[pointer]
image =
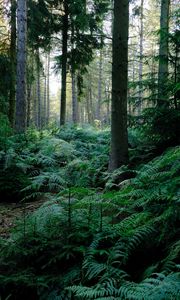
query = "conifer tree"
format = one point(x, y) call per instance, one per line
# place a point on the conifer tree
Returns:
point(119, 137)
point(163, 54)
point(20, 121)
point(65, 26)
point(12, 92)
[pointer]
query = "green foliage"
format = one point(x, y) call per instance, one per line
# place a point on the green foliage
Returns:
point(38, 163)
point(85, 244)
point(162, 126)
point(42, 23)
point(4, 82)
point(5, 132)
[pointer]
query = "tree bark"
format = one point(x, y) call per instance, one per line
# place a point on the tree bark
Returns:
point(47, 92)
point(12, 94)
point(38, 92)
point(74, 99)
point(64, 65)
point(163, 54)
point(29, 92)
point(140, 92)
point(119, 137)
point(90, 111)
point(35, 103)
point(20, 119)
point(98, 114)
point(45, 102)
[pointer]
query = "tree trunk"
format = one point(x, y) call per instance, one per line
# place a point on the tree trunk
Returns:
point(35, 103)
point(20, 120)
point(90, 111)
point(29, 92)
point(98, 114)
point(47, 92)
point(140, 92)
point(45, 102)
point(119, 137)
point(12, 94)
point(108, 101)
point(74, 99)
point(73, 78)
point(64, 65)
point(163, 54)
point(38, 93)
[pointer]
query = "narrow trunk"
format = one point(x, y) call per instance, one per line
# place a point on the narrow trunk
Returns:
point(45, 101)
point(74, 99)
point(88, 109)
point(163, 54)
point(12, 94)
point(29, 92)
point(90, 101)
point(141, 60)
point(30, 87)
point(73, 78)
point(47, 91)
point(119, 137)
point(38, 93)
point(20, 119)
point(98, 115)
point(107, 121)
point(35, 102)
point(176, 75)
point(64, 65)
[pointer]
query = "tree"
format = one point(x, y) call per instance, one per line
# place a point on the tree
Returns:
point(119, 137)
point(81, 21)
point(65, 26)
point(47, 92)
point(20, 120)
point(98, 112)
point(141, 58)
point(12, 92)
point(163, 54)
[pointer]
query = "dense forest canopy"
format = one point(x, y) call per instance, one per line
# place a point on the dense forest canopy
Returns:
point(89, 149)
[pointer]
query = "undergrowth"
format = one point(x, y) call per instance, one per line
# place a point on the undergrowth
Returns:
point(49, 161)
point(85, 243)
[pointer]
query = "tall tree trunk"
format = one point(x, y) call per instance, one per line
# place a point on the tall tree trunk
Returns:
point(35, 103)
point(119, 137)
point(45, 102)
point(108, 101)
point(163, 54)
point(30, 85)
point(98, 113)
point(29, 92)
point(20, 119)
point(73, 78)
point(74, 99)
point(176, 75)
point(47, 92)
point(90, 110)
point(140, 92)
point(64, 65)
point(12, 94)
point(38, 92)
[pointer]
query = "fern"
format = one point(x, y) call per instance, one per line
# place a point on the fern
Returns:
point(83, 243)
point(157, 287)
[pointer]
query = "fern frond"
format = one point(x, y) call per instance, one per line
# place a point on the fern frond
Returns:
point(154, 288)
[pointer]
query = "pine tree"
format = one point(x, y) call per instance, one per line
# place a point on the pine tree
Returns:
point(119, 138)
point(12, 92)
point(163, 54)
point(20, 121)
point(65, 26)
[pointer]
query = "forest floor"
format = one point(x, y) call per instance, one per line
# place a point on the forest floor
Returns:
point(11, 212)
